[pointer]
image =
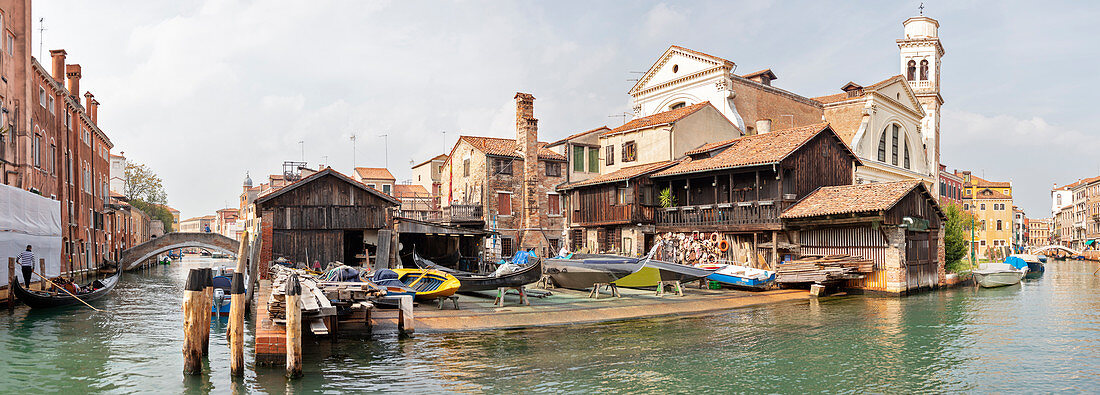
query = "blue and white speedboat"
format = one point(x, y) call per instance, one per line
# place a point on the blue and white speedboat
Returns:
point(742, 276)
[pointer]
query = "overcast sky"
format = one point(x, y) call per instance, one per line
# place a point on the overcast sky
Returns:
point(204, 91)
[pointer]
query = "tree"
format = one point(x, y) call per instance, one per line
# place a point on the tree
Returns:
point(143, 184)
point(956, 237)
point(155, 211)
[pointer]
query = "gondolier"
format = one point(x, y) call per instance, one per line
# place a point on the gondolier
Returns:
point(26, 261)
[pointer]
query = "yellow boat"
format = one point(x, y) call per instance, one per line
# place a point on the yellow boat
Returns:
point(428, 284)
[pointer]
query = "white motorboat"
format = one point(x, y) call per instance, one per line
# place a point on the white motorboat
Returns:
point(999, 275)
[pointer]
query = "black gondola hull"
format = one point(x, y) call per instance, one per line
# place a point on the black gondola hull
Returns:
point(39, 300)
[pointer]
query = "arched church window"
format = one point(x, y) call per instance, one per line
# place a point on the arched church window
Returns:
point(924, 70)
point(894, 151)
point(677, 105)
point(882, 147)
point(906, 147)
point(911, 71)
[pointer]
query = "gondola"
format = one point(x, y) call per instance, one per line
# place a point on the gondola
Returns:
point(39, 299)
point(470, 282)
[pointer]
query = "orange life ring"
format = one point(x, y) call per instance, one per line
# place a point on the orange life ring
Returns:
point(723, 245)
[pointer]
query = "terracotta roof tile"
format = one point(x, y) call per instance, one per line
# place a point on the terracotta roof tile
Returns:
point(410, 191)
point(374, 173)
point(760, 149)
point(508, 147)
point(657, 119)
point(990, 194)
point(844, 96)
point(846, 199)
point(625, 173)
point(600, 129)
point(979, 182)
point(761, 72)
point(710, 147)
point(437, 157)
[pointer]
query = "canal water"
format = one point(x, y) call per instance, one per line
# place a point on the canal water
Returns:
point(1040, 336)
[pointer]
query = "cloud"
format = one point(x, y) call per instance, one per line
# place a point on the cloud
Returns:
point(969, 129)
point(663, 21)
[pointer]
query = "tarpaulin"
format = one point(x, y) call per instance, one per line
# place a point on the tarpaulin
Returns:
point(29, 219)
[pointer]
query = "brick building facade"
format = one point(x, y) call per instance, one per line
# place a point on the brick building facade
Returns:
point(507, 186)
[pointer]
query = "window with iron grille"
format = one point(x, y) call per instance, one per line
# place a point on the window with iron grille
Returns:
point(630, 151)
point(506, 247)
point(502, 166)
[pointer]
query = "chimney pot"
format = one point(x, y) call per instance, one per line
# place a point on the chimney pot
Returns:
point(763, 126)
point(72, 72)
point(58, 57)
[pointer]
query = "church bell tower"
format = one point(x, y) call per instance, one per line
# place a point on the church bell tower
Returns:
point(920, 65)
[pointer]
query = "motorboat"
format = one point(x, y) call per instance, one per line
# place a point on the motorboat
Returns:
point(994, 274)
point(223, 285)
point(1035, 266)
point(468, 282)
point(741, 276)
point(426, 284)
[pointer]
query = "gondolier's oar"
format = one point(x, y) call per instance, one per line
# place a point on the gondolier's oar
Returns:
point(63, 289)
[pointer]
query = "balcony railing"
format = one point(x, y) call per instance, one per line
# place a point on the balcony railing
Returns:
point(632, 213)
point(740, 213)
point(463, 213)
point(421, 215)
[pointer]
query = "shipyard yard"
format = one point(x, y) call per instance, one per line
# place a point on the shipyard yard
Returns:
point(1038, 336)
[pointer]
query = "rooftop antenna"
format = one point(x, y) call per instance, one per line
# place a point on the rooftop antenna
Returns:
point(634, 72)
point(324, 162)
point(444, 140)
point(387, 137)
point(623, 116)
point(41, 35)
point(303, 144)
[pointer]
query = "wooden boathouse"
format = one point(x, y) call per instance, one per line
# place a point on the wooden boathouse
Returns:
point(898, 225)
point(327, 217)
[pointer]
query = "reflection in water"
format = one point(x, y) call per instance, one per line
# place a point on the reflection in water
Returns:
point(1038, 336)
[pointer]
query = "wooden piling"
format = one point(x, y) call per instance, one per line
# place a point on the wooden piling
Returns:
point(405, 314)
point(42, 272)
point(11, 284)
point(293, 327)
point(192, 322)
point(236, 312)
point(208, 304)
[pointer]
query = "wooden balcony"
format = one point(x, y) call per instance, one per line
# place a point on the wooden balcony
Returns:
point(618, 214)
point(740, 216)
point(421, 215)
point(463, 213)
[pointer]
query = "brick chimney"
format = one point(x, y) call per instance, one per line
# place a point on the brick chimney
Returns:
point(58, 56)
point(72, 72)
point(92, 106)
point(527, 136)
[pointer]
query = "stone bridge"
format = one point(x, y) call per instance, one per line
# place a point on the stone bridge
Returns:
point(133, 256)
point(1040, 250)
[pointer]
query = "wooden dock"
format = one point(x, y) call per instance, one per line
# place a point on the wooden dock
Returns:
point(564, 307)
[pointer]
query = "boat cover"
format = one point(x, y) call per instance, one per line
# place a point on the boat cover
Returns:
point(1016, 262)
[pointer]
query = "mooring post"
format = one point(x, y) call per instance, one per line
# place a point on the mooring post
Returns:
point(208, 303)
point(236, 312)
point(42, 272)
point(293, 328)
point(405, 315)
point(11, 283)
point(192, 322)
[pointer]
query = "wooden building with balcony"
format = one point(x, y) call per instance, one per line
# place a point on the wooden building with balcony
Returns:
point(613, 212)
point(739, 188)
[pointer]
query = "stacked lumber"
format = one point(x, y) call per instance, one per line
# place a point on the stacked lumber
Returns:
point(313, 302)
point(823, 269)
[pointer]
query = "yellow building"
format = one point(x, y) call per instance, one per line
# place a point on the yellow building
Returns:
point(991, 204)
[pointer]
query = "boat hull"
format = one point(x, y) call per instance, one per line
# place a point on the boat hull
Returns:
point(470, 282)
point(429, 284)
point(39, 300)
point(993, 279)
point(651, 272)
point(582, 273)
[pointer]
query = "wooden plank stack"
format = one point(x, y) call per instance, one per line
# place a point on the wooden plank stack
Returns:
point(823, 269)
point(313, 302)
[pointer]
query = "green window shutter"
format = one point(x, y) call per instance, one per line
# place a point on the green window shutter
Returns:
point(593, 160)
point(578, 158)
